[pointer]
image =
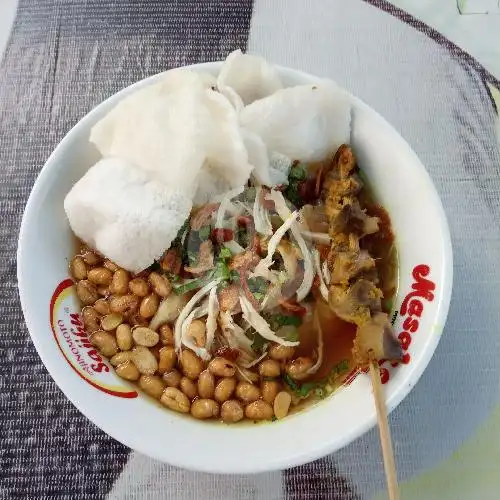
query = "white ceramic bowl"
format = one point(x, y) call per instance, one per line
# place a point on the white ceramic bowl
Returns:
point(401, 184)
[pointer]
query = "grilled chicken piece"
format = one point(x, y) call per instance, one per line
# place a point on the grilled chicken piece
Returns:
point(375, 339)
point(356, 302)
point(347, 261)
point(344, 162)
point(352, 219)
point(338, 191)
point(348, 265)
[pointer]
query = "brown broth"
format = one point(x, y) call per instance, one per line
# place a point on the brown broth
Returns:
point(338, 336)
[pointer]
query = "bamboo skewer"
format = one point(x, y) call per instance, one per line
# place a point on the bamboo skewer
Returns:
point(385, 433)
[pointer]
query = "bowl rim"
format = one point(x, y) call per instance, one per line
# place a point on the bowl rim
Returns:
point(301, 456)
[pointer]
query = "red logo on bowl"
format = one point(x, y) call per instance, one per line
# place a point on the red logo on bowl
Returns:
point(411, 309)
point(73, 342)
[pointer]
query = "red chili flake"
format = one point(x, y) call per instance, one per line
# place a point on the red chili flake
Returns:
point(323, 250)
point(228, 353)
point(319, 182)
point(316, 282)
point(244, 220)
point(290, 306)
point(220, 235)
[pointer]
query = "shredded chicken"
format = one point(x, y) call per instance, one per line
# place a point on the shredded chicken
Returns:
point(319, 360)
point(260, 214)
point(186, 311)
point(253, 318)
point(322, 285)
point(234, 336)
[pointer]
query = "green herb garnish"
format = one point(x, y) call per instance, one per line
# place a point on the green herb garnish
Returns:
point(204, 233)
point(277, 320)
point(221, 271)
point(225, 254)
point(306, 388)
point(192, 257)
point(297, 172)
point(290, 382)
point(291, 193)
point(173, 278)
point(317, 387)
point(293, 335)
point(297, 175)
point(259, 342)
point(258, 285)
point(341, 367)
point(191, 285)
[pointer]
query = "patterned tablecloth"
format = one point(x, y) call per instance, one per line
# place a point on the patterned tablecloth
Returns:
point(66, 56)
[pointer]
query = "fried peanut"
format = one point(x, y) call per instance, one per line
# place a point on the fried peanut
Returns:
point(124, 337)
point(259, 410)
point(206, 384)
point(232, 411)
point(191, 364)
point(105, 343)
point(78, 268)
point(144, 336)
point(247, 392)
point(86, 292)
point(204, 408)
point(175, 399)
point(152, 385)
point(221, 367)
point(100, 276)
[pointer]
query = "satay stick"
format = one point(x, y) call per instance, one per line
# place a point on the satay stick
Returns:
point(385, 433)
